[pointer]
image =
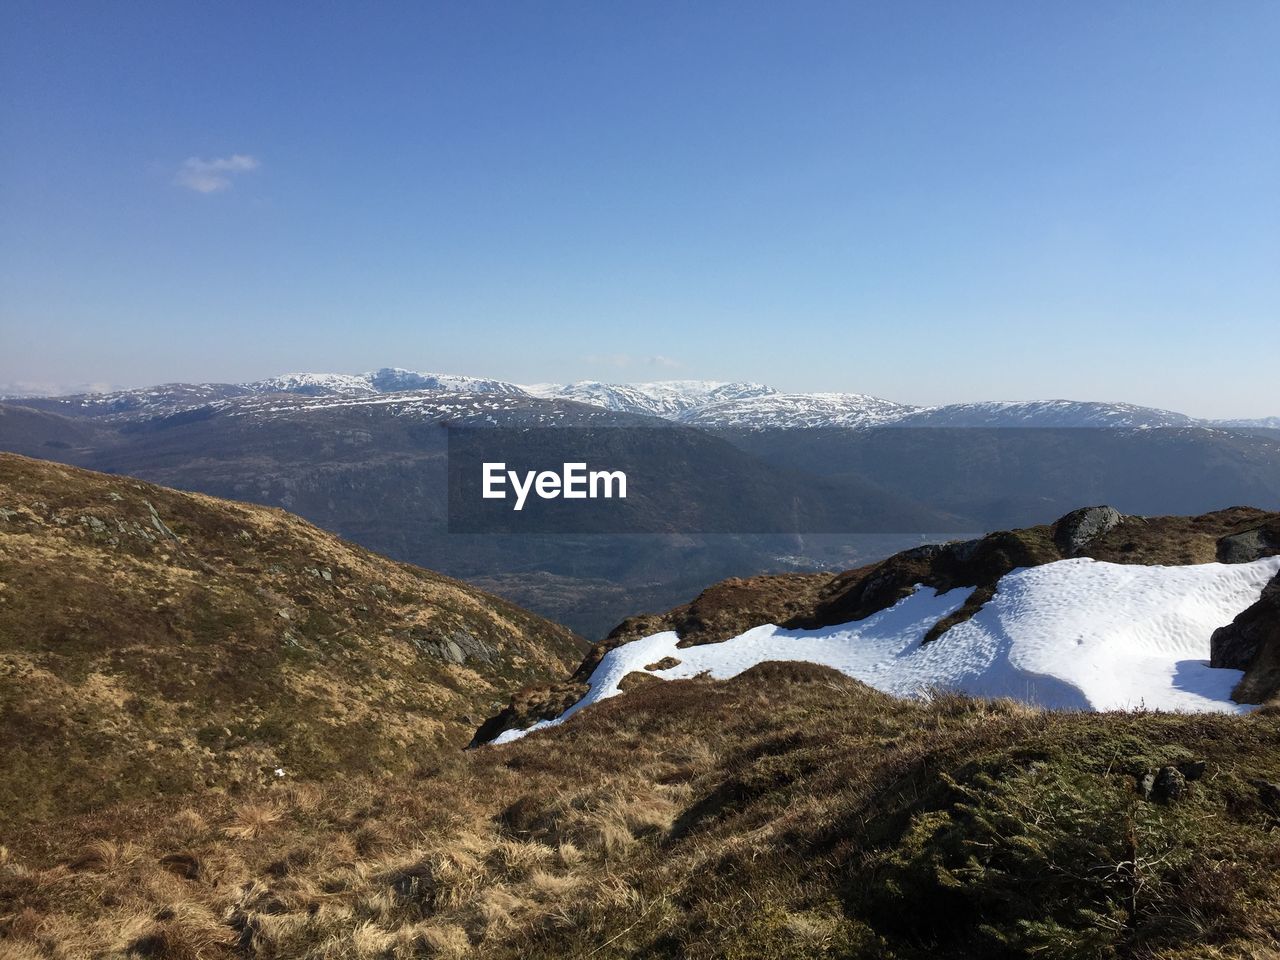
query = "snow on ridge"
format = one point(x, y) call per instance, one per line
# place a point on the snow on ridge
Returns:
point(1046, 413)
point(662, 398)
point(1257, 423)
point(1076, 634)
point(700, 403)
point(798, 410)
point(376, 382)
point(315, 384)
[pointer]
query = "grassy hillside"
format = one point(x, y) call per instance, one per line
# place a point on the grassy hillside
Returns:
point(156, 642)
point(790, 812)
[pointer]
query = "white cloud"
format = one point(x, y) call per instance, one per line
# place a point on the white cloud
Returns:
point(625, 360)
point(211, 176)
point(658, 360)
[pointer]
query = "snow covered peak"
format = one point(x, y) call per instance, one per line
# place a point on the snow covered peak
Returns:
point(386, 380)
point(709, 404)
point(397, 379)
point(316, 385)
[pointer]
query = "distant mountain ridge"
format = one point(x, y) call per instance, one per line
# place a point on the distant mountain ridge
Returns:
point(710, 404)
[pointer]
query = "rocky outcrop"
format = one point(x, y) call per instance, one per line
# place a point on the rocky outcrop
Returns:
point(1251, 643)
point(1249, 546)
point(1081, 527)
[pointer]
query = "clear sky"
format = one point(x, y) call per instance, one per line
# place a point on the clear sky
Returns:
point(926, 201)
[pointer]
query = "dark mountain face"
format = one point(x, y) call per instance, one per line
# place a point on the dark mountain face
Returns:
point(374, 470)
point(1004, 477)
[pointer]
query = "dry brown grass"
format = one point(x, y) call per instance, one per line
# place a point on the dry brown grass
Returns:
point(806, 817)
point(254, 642)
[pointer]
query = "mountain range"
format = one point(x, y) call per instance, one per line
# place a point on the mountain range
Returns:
point(709, 404)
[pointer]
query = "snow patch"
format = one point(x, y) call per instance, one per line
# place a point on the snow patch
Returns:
point(1076, 634)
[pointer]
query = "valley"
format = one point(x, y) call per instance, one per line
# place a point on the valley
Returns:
point(365, 456)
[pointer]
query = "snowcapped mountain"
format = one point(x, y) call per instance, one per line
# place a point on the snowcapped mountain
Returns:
point(709, 404)
point(171, 398)
point(395, 379)
point(316, 385)
point(1045, 413)
point(672, 399)
point(386, 380)
point(753, 406)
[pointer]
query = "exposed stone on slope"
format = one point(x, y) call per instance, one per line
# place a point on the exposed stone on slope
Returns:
point(1081, 527)
point(1251, 643)
point(1248, 546)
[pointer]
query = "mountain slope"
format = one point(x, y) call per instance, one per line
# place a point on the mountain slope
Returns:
point(158, 642)
point(1046, 413)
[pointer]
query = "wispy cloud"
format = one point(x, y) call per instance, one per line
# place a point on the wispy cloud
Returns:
point(52, 388)
point(214, 175)
point(624, 360)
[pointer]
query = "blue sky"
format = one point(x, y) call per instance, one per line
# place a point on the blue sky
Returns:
point(926, 201)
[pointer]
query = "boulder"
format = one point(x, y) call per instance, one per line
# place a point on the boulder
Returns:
point(1246, 547)
point(1251, 642)
point(1079, 528)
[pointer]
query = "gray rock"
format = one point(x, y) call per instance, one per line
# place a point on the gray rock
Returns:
point(159, 524)
point(94, 524)
point(457, 647)
point(1146, 783)
point(1081, 527)
point(1246, 547)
